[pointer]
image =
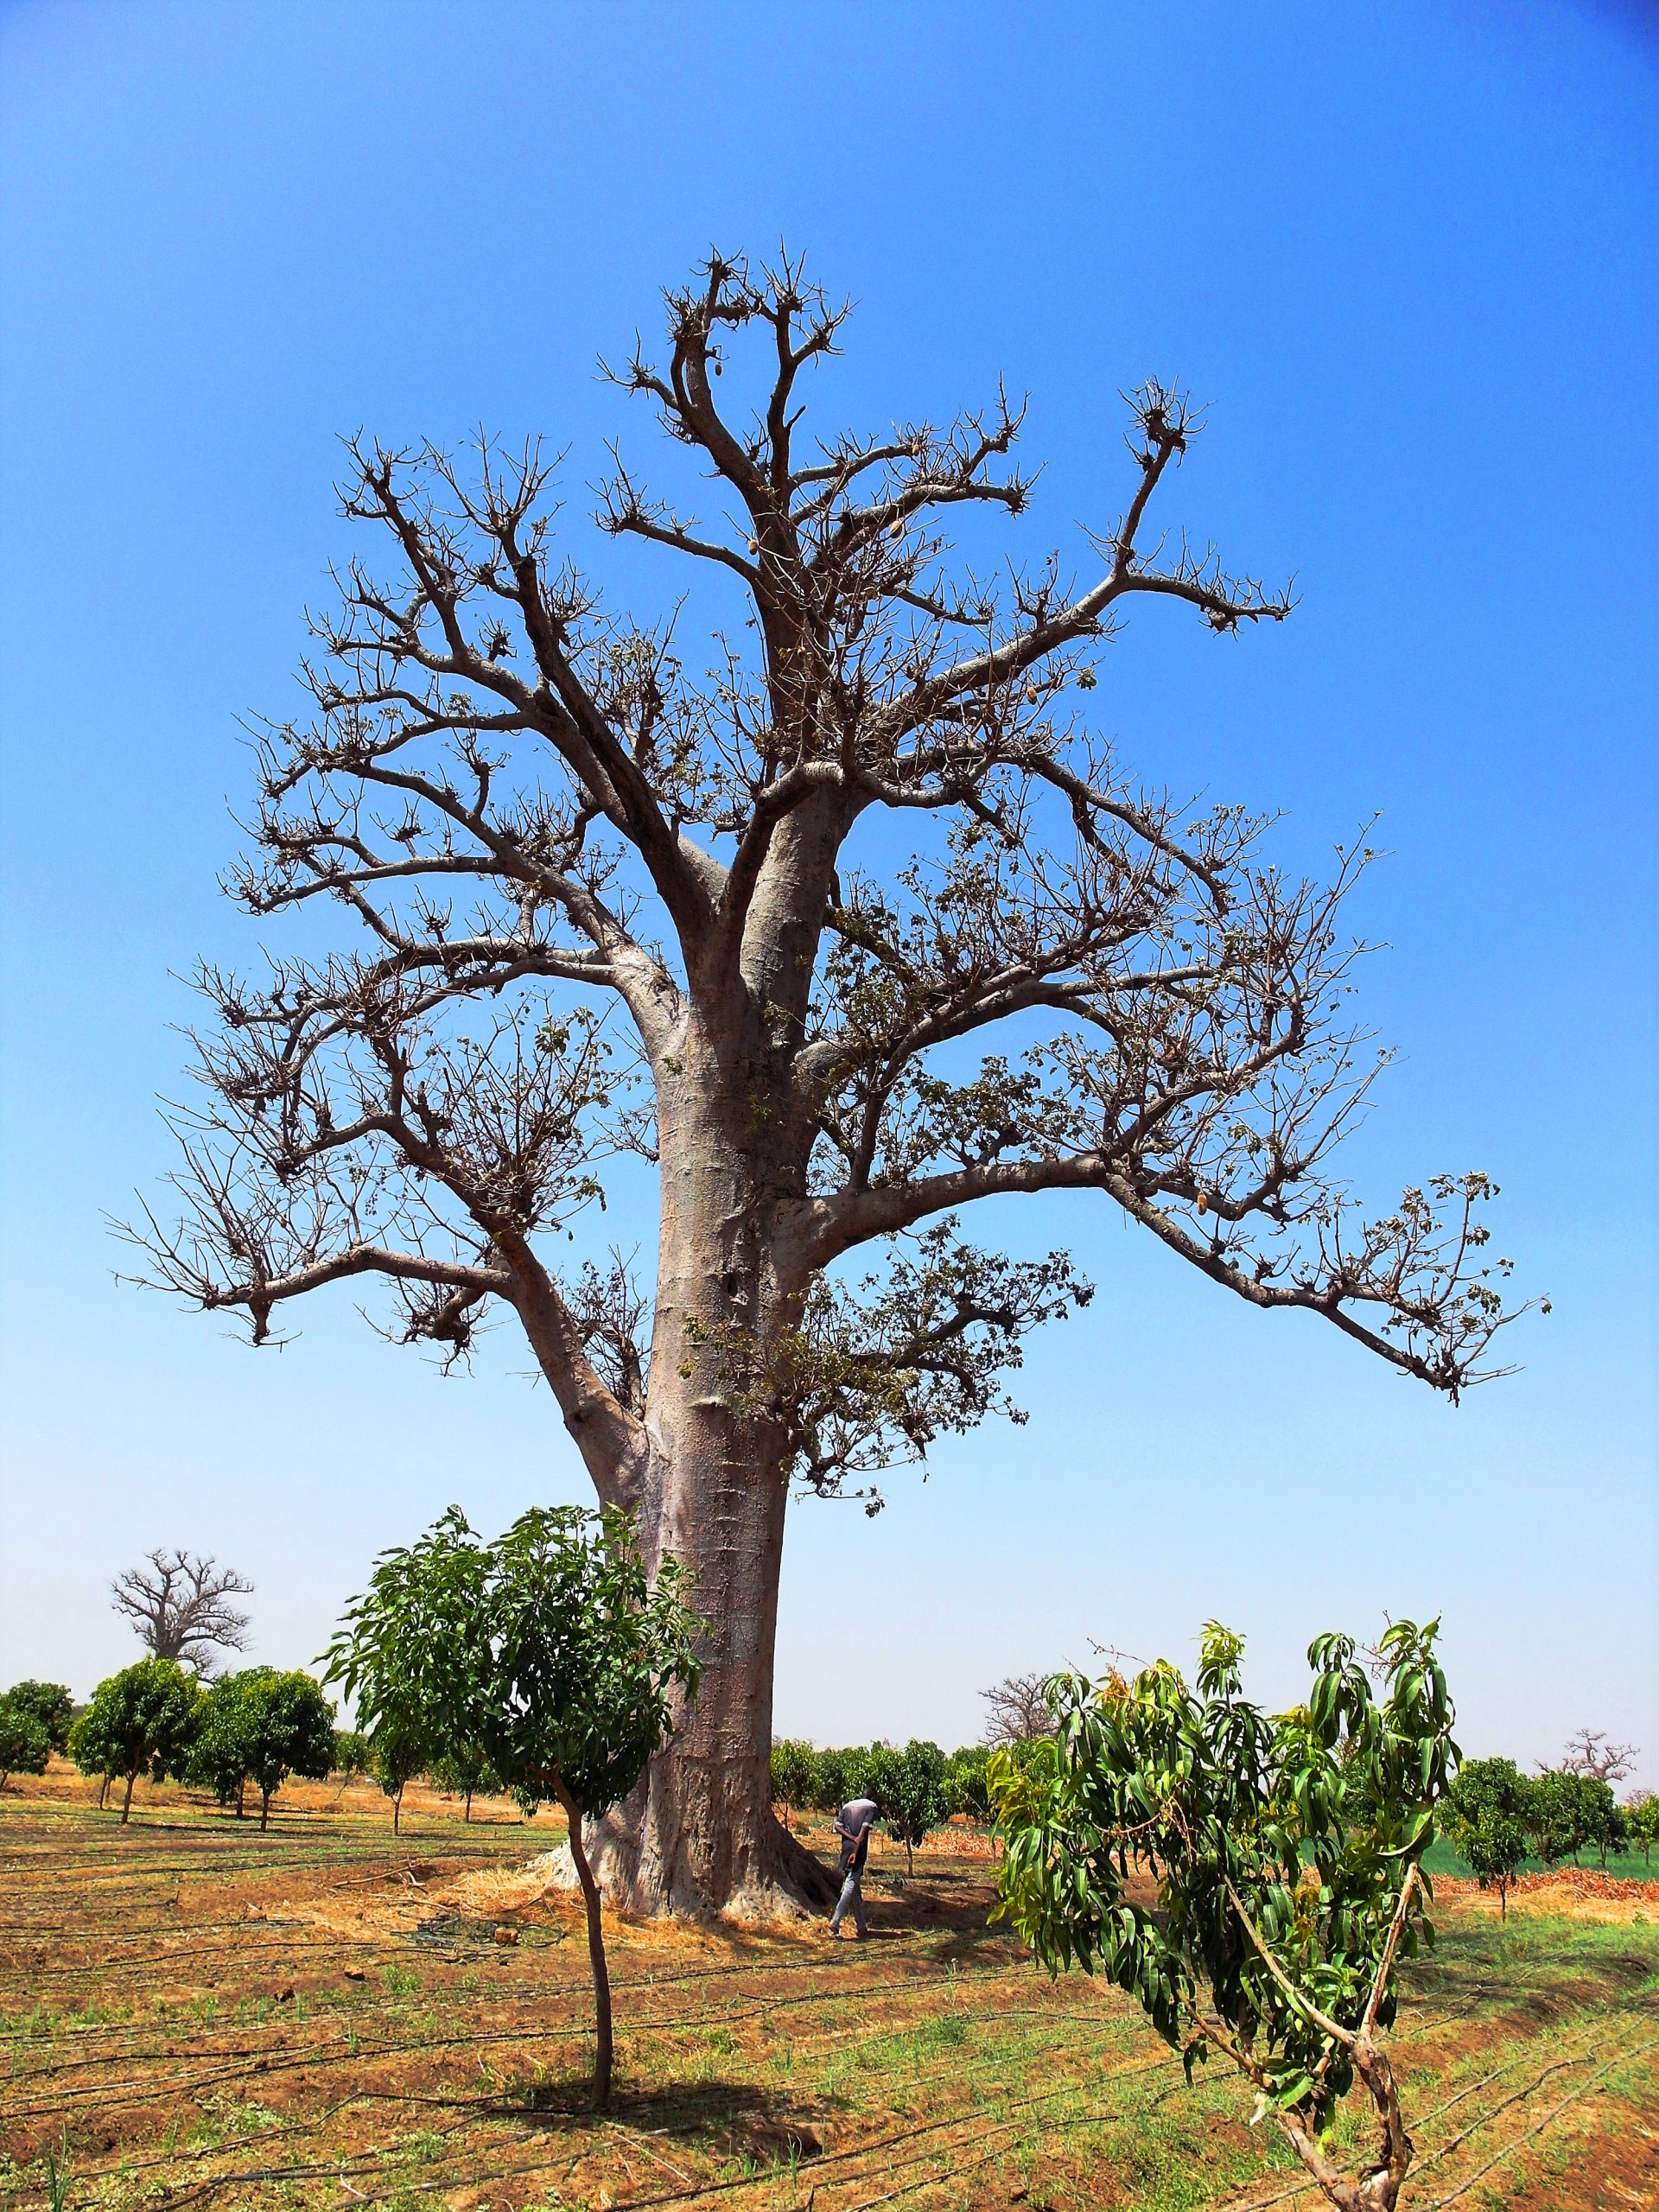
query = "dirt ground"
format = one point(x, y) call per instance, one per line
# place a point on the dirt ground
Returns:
point(193, 2014)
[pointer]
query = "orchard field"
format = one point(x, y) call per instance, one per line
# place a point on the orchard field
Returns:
point(195, 2014)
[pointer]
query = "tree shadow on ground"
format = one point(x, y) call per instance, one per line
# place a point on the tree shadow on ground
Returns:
point(728, 2119)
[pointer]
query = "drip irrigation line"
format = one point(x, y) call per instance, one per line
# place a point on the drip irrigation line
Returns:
point(1301, 2187)
point(1620, 2058)
point(277, 2058)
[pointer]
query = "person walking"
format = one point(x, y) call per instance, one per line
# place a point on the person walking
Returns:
point(853, 1825)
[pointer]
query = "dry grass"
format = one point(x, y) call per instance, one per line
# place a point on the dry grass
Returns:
point(193, 2014)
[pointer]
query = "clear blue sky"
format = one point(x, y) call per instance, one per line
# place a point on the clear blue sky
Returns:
point(1406, 255)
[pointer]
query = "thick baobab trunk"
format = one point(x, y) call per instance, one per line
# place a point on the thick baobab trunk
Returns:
point(699, 1835)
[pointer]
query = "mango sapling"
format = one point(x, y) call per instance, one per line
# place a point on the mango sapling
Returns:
point(551, 1651)
point(1288, 1855)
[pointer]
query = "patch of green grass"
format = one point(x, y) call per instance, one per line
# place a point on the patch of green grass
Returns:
point(1628, 1865)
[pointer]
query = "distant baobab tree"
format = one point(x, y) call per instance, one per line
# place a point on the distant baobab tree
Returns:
point(1017, 1709)
point(180, 1606)
point(1589, 1752)
point(607, 892)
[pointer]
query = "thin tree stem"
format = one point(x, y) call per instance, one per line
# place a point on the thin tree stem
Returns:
point(590, 1898)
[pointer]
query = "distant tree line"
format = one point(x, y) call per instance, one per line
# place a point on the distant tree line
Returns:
point(248, 1731)
point(1496, 1818)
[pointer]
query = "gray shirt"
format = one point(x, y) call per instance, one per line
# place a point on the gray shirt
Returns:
point(853, 1824)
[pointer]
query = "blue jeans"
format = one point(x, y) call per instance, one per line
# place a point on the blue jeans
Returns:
point(852, 1893)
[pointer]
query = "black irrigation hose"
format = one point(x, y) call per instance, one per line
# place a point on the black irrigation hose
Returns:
point(245, 1855)
point(538, 1991)
point(489, 2108)
point(172, 2202)
point(127, 2098)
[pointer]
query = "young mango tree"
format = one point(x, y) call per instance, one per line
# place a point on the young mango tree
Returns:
point(51, 1704)
point(603, 891)
point(1286, 1853)
point(1486, 1819)
point(794, 1775)
point(143, 1720)
point(25, 1745)
point(550, 1649)
point(260, 1726)
point(1566, 1809)
point(463, 1770)
point(286, 1727)
point(909, 1787)
point(217, 1760)
point(400, 1749)
point(353, 1756)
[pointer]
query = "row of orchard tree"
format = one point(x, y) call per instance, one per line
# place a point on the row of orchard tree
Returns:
point(919, 1787)
point(248, 1731)
point(241, 1732)
point(1496, 1818)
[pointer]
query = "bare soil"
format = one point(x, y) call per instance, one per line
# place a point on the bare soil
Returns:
point(193, 2013)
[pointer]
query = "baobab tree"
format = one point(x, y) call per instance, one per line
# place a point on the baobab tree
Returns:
point(180, 1606)
point(603, 901)
point(1017, 1710)
point(1589, 1752)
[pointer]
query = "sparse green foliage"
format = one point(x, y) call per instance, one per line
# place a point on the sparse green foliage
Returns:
point(875, 1375)
point(548, 1650)
point(1286, 1855)
point(1485, 1817)
point(143, 1720)
point(1641, 1823)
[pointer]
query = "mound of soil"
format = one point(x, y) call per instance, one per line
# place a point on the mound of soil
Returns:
point(1583, 1891)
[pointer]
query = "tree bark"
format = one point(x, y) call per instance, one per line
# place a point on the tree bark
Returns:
point(698, 1836)
point(590, 1899)
point(126, 1802)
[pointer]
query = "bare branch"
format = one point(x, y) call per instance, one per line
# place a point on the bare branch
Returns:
point(181, 1605)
